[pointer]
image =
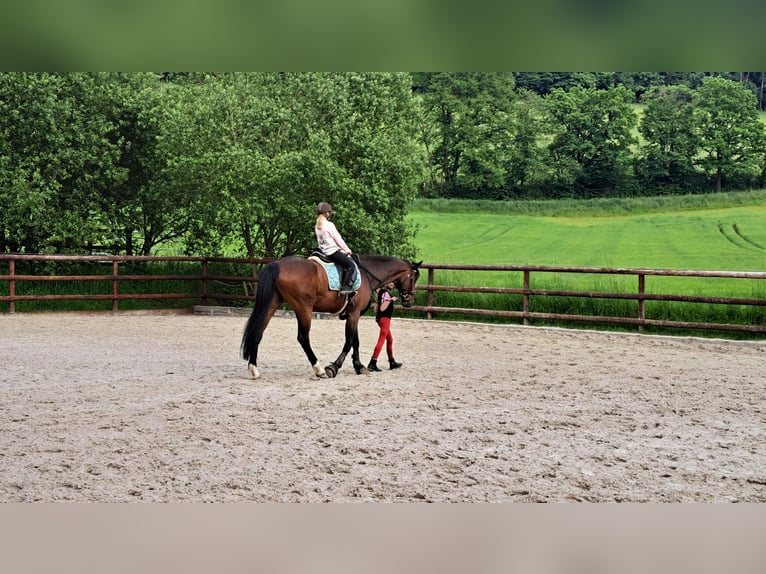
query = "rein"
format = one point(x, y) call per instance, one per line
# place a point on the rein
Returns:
point(370, 274)
point(380, 282)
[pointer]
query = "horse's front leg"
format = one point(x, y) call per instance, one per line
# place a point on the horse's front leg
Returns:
point(332, 369)
point(358, 365)
point(352, 341)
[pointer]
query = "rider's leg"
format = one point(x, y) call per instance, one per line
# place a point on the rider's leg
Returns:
point(347, 270)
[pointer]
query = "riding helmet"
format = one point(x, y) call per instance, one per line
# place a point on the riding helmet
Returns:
point(324, 208)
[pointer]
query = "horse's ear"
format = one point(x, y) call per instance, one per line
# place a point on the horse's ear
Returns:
point(418, 264)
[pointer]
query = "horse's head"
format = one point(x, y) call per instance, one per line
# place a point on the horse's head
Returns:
point(406, 283)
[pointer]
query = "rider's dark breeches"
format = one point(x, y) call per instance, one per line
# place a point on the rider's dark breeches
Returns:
point(345, 262)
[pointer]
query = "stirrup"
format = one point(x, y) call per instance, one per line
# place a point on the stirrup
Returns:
point(349, 305)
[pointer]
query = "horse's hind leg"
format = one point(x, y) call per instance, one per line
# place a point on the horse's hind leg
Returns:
point(304, 327)
point(252, 364)
point(255, 334)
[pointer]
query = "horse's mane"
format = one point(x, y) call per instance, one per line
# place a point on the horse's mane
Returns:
point(380, 258)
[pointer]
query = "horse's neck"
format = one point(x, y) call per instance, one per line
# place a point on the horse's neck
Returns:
point(384, 273)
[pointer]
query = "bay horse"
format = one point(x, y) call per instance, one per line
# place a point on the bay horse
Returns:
point(303, 285)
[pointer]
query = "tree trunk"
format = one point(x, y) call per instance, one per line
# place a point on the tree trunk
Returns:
point(718, 178)
point(128, 241)
point(246, 235)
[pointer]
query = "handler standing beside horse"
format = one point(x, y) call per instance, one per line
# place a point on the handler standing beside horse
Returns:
point(384, 311)
point(331, 244)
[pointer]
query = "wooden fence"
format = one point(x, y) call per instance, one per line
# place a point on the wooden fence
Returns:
point(209, 290)
point(640, 295)
point(205, 279)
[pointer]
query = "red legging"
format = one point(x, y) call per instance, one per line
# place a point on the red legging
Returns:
point(384, 336)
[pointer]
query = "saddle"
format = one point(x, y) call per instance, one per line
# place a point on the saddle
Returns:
point(334, 278)
point(333, 273)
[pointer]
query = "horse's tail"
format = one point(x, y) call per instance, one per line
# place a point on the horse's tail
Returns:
point(251, 338)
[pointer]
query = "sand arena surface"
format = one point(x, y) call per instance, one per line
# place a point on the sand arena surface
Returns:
point(128, 408)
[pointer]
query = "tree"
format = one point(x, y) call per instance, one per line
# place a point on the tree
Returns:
point(592, 137)
point(466, 130)
point(145, 209)
point(732, 138)
point(637, 82)
point(666, 157)
point(543, 83)
point(265, 148)
point(525, 157)
point(58, 157)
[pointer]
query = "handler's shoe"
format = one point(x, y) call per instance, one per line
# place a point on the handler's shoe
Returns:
point(393, 364)
point(373, 365)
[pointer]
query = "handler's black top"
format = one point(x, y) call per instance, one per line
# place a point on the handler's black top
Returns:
point(389, 310)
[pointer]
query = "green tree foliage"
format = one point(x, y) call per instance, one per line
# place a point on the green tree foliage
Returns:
point(146, 208)
point(235, 163)
point(731, 135)
point(526, 159)
point(469, 123)
point(543, 83)
point(127, 162)
point(80, 167)
point(592, 137)
point(59, 152)
point(670, 138)
point(265, 148)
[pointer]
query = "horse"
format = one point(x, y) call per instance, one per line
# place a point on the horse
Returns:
point(303, 285)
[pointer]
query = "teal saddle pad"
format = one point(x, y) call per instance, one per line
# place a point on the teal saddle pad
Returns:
point(333, 275)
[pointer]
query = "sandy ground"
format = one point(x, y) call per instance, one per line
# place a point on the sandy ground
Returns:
point(129, 408)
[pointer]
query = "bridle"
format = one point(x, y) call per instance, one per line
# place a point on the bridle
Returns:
point(412, 276)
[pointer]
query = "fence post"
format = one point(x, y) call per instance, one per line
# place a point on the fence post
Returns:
point(12, 286)
point(204, 282)
point(115, 284)
point(430, 298)
point(526, 296)
point(641, 301)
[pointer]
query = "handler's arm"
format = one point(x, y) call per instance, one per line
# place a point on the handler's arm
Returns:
point(387, 300)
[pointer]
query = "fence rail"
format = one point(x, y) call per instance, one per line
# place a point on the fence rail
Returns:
point(208, 281)
point(203, 277)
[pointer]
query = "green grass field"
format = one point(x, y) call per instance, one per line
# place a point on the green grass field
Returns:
point(705, 232)
point(712, 239)
point(721, 232)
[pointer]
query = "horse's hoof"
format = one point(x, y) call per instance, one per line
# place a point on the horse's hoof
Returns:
point(253, 370)
point(331, 371)
point(318, 372)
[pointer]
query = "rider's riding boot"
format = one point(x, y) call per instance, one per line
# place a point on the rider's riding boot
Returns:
point(393, 364)
point(373, 365)
point(345, 286)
